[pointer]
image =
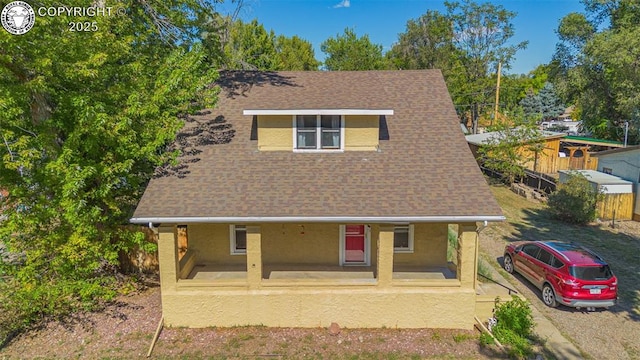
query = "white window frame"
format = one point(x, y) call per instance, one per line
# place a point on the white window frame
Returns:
point(318, 136)
point(407, 250)
point(232, 239)
point(367, 246)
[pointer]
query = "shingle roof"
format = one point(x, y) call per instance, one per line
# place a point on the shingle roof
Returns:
point(423, 169)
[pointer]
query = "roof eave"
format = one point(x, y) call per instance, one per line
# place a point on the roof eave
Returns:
point(318, 219)
point(317, 112)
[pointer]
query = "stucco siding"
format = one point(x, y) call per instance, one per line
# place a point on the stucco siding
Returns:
point(212, 245)
point(429, 247)
point(300, 243)
point(361, 132)
point(275, 133)
point(403, 308)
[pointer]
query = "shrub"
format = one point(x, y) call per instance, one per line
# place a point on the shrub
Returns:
point(514, 326)
point(575, 201)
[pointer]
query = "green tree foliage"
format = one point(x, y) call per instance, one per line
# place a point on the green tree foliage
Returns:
point(466, 42)
point(349, 52)
point(575, 201)
point(512, 147)
point(295, 53)
point(545, 104)
point(250, 46)
point(427, 43)
point(596, 66)
point(84, 119)
point(481, 34)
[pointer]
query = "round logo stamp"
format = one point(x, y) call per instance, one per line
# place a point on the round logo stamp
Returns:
point(17, 17)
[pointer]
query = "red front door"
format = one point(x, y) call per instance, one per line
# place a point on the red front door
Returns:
point(354, 244)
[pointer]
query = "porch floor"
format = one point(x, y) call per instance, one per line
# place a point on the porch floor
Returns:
point(295, 271)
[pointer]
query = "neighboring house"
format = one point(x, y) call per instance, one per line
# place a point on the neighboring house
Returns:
point(560, 151)
point(617, 202)
point(318, 197)
point(545, 161)
point(624, 163)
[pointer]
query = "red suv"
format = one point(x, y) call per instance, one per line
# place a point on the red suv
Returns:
point(566, 273)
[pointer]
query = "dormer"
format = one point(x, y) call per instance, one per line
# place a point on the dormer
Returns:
point(318, 130)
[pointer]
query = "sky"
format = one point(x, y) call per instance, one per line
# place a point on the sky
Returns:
point(382, 20)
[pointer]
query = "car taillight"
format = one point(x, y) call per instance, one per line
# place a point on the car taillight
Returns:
point(570, 282)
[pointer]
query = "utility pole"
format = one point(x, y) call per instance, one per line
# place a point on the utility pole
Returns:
point(495, 115)
point(626, 132)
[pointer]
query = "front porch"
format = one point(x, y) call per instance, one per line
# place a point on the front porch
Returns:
point(285, 278)
point(211, 271)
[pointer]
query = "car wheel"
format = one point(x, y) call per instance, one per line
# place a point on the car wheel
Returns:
point(548, 296)
point(508, 264)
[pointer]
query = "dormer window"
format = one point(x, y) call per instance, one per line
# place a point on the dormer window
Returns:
point(318, 132)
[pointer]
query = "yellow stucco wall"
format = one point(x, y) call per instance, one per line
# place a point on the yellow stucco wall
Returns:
point(300, 243)
point(211, 244)
point(429, 246)
point(275, 133)
point(301, 307)
point(256, 301)
point(361, 132)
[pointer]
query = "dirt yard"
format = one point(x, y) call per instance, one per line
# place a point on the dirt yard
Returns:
point(125, 331)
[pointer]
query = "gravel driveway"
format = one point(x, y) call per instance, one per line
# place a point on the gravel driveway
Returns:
point(603, 334)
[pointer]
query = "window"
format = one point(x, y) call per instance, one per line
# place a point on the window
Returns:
point(531, 250)
point(403, 238)
point(545, 256)
point(238, 239)
point(318, 132)
point(607, 170)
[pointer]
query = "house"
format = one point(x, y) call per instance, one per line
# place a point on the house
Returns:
point(618, 193)
point(624, 163)
point(545, 161)
point(316, 197)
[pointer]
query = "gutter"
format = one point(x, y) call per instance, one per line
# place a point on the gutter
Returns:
point(320, 219)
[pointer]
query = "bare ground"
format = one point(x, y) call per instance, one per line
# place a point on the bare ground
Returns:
point(125, 330)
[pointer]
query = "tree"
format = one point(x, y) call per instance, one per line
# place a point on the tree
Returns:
point(85, 117)
point(349, 52)
point(575, 201)
point(295, 53)
point(427, 43)
point(250, 46)
point(512, 147)
point(481, 34)
point(545, 104)
point(595, 66)
point(531, 105)
point(466, 43)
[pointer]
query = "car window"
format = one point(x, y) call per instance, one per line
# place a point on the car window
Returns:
point(531, 250)
point(592, 273)
point(556, 263)
point(545, 256)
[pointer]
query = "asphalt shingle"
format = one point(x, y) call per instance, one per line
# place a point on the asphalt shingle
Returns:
point(423, 169)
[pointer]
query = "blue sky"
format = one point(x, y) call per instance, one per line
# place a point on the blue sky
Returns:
point(317, 20)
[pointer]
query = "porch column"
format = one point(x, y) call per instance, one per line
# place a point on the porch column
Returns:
point(467, 254)
point(385, 256)
point(254, 257)
point(168, 256)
